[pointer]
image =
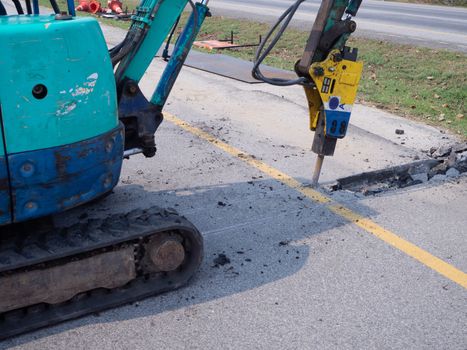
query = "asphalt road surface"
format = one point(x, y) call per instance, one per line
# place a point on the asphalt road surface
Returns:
point(426, 25)
point(303, 273)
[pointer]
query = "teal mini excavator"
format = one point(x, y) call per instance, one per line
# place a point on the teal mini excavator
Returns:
point(71, 111)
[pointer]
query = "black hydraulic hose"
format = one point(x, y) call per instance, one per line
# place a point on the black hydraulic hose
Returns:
point(118, 52)
point(116, 48)
point(195, 19)
point(138, 40)
point(28, 7)
point(55, 6)
point(2, 10)
point(126, 46)
point(195, 23)
point(133, 37)
point(135, 42)
point(261, 55)
point(18, 6)
point(165, 53)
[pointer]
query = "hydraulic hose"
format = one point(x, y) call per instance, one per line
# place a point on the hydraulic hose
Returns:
point(18, 6)
point(133, 39)
point(262, 52)
point(122, 49)
point(28, 6)
point(55, 7)
point(2, 10)
point(165, 53)
point(195, 19)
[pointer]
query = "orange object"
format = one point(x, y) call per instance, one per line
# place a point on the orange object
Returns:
point(95, 6)
point(83, 6)
point(115, 6)
point(214, 44)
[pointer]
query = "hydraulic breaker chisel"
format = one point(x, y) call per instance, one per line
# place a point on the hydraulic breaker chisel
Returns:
point(328, 71)
point(335, 72)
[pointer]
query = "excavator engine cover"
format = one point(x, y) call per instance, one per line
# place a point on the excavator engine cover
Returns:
point(61, 143)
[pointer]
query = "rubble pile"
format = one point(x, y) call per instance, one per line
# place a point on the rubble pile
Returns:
point(454, 161)
point(445, 162)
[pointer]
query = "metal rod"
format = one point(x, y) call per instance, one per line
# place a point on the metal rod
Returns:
point(35, 6)
point(317, 172)
point(71, 7)
point(132, 152)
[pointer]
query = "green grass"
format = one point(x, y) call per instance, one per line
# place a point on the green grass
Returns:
point(418, 83)
point(460, 3)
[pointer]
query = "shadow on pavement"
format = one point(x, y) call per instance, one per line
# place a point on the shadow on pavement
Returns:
point(264, 228)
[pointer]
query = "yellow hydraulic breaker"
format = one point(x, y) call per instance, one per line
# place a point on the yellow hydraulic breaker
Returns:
point(328, 70)
point(336, 80)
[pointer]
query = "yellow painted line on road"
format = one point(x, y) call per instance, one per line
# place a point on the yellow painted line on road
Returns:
point(366, 224)
point(408, 248)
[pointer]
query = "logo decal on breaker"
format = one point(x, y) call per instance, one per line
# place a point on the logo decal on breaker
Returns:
point(334, 102)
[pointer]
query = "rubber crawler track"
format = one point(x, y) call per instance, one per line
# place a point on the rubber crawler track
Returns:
point(57, 246)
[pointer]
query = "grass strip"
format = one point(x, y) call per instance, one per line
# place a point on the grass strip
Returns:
point(420, 83)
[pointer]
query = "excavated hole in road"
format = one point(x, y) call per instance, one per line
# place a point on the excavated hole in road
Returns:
point(446, 162)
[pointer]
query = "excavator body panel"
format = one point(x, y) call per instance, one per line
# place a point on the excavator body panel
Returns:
point(62, 140)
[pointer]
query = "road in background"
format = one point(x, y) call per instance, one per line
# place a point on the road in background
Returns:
point(424, 25)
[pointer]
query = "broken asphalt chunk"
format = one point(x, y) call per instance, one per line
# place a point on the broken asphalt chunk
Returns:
point(221, 260)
